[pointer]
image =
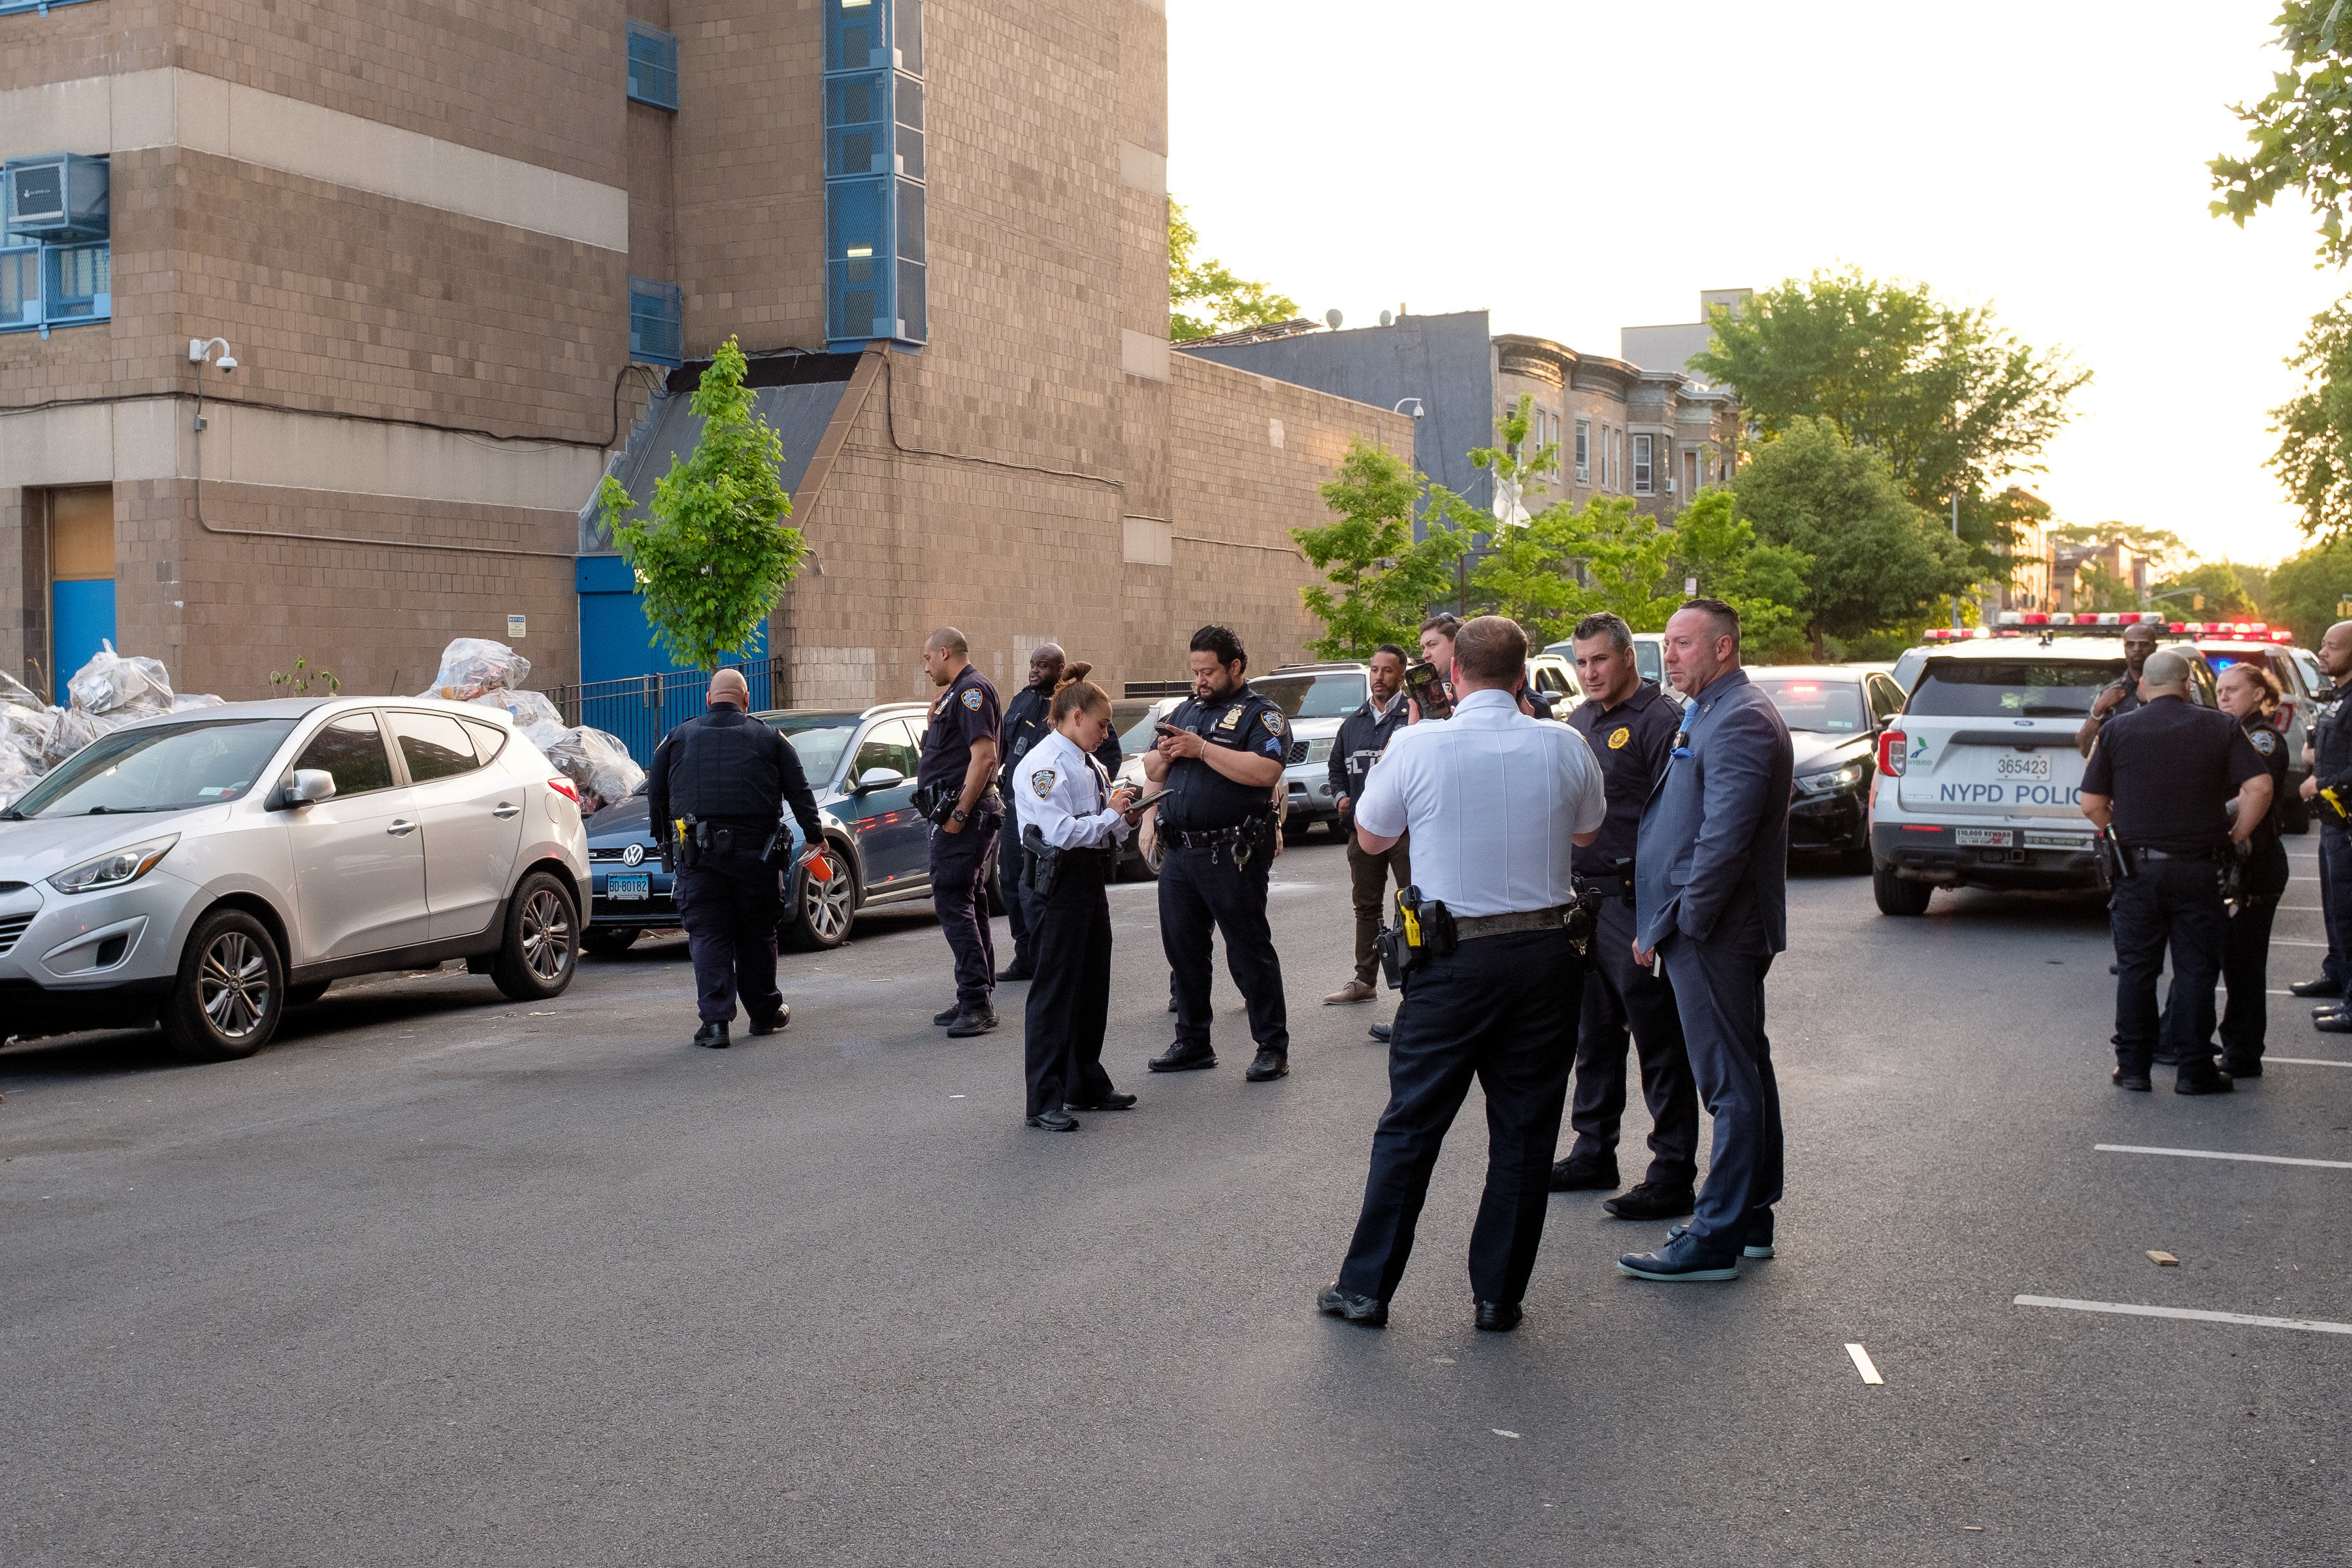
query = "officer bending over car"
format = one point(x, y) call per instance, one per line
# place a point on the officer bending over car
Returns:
point(716, 795)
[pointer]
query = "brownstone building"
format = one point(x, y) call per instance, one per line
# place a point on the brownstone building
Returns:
point(464, 255)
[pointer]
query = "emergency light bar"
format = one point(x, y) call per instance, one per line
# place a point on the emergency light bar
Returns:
point(2108, 622)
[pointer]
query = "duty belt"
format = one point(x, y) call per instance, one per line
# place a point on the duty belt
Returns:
point(1468, 927)
point(2206, 856)
point(1206, 837)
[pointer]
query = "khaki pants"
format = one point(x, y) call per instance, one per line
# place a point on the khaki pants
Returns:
point(1368, 875)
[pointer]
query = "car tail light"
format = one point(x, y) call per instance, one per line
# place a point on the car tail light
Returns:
point(1892, 745)
point(2283, 719)
point(565, 787)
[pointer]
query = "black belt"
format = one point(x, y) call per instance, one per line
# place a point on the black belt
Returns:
point(2208, 856)
point(1467, 928)
point(1208, 837)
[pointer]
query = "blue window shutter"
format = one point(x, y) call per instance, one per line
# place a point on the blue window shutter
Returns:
point(875, 168)
point(653, 67)
point(657, 322)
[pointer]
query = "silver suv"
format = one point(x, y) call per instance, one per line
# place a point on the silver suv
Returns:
point(206, 871)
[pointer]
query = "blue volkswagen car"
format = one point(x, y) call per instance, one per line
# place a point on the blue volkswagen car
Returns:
point(861, 763)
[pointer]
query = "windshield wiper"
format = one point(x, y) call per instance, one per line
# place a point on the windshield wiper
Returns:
point(2046, 711)
point(123, 810)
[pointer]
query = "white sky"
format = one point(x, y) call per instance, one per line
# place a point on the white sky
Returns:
point(1575, 167)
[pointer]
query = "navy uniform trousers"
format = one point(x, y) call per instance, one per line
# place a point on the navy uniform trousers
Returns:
point(2179, 903)
point(729, 903)
point(1619, 994)
point(959, 895)
point(1069, 1000)
point(1201, 890)
point(1020, 910)
point(1490, 1010)
point(1720, 994)
point(2336, 903)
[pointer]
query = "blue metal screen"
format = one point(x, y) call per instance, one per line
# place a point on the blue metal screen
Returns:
point(652, 65)
point(657, 322)
point(875, 167)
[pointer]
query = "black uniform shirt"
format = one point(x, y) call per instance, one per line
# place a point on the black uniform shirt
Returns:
point(730, 769)
point(1026, 724)
point(2331, 739)
point(2266, 868)
point(966, 711)
point(2170, 770)
point(1200, 798)
point(1631, 741)
point(1362, 737)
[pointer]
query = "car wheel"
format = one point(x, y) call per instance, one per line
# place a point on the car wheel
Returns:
point(822, 912)
point(542, 948)
point(609, 941)
point(304, 995)
point(1896, 895)
point(231, 991)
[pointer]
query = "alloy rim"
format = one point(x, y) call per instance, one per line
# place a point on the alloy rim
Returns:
point(826, 905)
point(233, 987)
point(546, 935)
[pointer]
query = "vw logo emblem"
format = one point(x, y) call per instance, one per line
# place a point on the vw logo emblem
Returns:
point(634, 855)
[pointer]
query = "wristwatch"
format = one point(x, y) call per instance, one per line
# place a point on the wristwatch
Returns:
point(960, 815)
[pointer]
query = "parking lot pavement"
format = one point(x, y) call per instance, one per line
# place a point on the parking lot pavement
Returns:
point(439, 1279)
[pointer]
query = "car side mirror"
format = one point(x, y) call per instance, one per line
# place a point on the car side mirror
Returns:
point(878, 778)
point(309, 786)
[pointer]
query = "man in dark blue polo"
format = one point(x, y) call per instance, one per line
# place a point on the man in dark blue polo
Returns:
point(1711, 906)
point(958, 776)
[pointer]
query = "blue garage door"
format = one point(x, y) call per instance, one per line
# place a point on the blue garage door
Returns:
point(82, 616)
point(616, 644)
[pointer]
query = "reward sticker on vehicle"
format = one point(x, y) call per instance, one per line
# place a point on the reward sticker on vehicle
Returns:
point(1984, 837)
point(629, 890)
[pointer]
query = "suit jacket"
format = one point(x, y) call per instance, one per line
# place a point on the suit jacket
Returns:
point(1712, 861)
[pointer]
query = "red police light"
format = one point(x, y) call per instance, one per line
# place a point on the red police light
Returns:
point(1892, 746)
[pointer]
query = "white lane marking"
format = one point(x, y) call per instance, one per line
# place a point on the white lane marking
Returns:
point(2132, 1309)
point(2302, 909)
point(2308, 1061)
point(1862, 1364)
point(1498, 1432)
point(2281, 942)
point(2222, 1154)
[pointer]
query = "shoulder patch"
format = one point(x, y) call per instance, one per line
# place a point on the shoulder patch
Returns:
point(1273, 720)
point(1619, 736)
point(1042, 781)
point(972, 697)
point(2265, 741)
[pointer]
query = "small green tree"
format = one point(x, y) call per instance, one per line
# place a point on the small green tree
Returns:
point(1204, 298)
point(1377, 579)
point(2304, 590)
point(299, 680)
point(715, 556)
point(2216, 583)
point(1716, 548)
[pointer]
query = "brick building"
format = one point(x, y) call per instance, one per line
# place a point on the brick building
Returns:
point(456, 249)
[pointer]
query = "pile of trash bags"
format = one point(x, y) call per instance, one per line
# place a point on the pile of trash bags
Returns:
point(108, 692)
point(491, 674)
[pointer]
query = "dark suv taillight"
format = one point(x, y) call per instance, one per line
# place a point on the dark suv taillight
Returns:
point(1891, 744)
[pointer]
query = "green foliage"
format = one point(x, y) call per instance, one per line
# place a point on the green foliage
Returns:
point(2304, 590)
point(2300, 134)
point(2225, 595)
point(2096, 588)
point(1945, 395)
point(2313, 459)
point(715, 556)
point(1531, 574)
point(1204, 298)
point(1515, 466)
point(1767, 583)
point(299, 680)
point(1378, 581)
point(1876, 559)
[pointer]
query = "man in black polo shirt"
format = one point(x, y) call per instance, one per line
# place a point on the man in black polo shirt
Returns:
point(2162, 777)
point(1630, 726)
point(2124, 694)
point(957, 777)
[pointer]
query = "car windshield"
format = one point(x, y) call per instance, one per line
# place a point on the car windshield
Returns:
point(170, 767)
point(1906, 667)
point(1649, 660)
point(1334, 695)
point(1815, 705)
point(1139, 735)
point(819, 738)
point(2010, 688)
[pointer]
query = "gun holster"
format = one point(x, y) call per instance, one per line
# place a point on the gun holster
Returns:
point(1423, 930)
point(683, 844)
point(2329, 807)
point(1041, 863)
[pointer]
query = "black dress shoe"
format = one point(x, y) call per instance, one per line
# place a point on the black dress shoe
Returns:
point(1171, 1004)
point(1181, 1057)
point(1370, 1312)
point(1653, 1200)
point(1583, 1174)
point(972, 1021)
point(775, 1022)
point(2242, 1068)
point(2164, 1058)
point(1014, 972)
point(1267, 1065)
point(1107, 1102)
point(1498, 1317)
point(948, 1016)
point(2135, 1081)
point(2333, 1022)
point(1380, 1031)
point(2204, 1083)
point(712, 1035)
point(1055, 1122)
point(2320, 987)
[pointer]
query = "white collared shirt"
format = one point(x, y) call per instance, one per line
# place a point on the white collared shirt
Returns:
point(1491, 800)
point(1065, 797)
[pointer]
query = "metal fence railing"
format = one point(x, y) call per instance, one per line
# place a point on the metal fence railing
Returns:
point(642, 709)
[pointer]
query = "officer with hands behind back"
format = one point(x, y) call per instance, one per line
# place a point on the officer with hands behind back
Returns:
point(1630, 726)
point(955, 788)
point(2330, 756)
point(2161, 777)
point(716, 795)
point(1219, 755)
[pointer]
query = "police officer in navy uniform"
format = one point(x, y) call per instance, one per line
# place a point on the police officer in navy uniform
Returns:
point(1630, 726)
point(956, 780)
point(1026, 726)
point(2250, 694)
point(727, 778)
point(2330, 756)
point(1219, 755)
point(2123, 694)
point(2162, 778)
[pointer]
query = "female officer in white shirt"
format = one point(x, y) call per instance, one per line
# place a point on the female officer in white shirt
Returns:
point(1067, 801)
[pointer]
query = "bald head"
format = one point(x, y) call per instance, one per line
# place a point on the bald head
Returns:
point(2165, 674)
point(2336, 652)
point(729, 687)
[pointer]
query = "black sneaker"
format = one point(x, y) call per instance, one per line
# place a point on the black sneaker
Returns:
point(2204, 1083)
point(2135, 1082)
point(1267, 1065)
point(1015, 972)
point(972, 1021)
point(1381, 1031)
point(774, 1022)
point(2245, 1068)
point(1583, 1174)
point(944, 1018)
point(1181, 1057)
point(713, 1035)
point(1653, 1200)
point(2323, 986)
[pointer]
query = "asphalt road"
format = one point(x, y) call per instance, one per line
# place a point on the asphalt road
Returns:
point(442, 1280)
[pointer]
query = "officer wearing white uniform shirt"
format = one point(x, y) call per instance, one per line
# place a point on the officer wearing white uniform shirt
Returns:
point(1495, 802)
point(1071, 824)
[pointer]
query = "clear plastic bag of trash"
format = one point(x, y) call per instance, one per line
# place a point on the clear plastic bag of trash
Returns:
point(74, 730)
point(189, 701)
point(27, 732)
point(16, 776)
point(528, 709)
point(596, 761)
point(111, 686)
point(473, 665)
point(15, 693)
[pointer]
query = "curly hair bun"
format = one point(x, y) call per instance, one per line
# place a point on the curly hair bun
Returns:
point(1074, 673)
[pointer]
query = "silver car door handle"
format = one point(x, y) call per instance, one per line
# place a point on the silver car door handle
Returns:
point(401, 828)
point(505, 809)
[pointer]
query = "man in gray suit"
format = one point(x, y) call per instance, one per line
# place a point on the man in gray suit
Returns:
point(1711, 904)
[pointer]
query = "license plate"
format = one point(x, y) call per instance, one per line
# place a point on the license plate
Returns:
point(1984, 837)
point(2056, 841)
point(626, 889)
point(2023, 766)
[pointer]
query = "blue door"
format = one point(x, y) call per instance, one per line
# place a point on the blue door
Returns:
point(82, 616)
point(616, 643)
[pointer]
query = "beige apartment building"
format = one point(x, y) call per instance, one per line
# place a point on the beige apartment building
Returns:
point(463, 255)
